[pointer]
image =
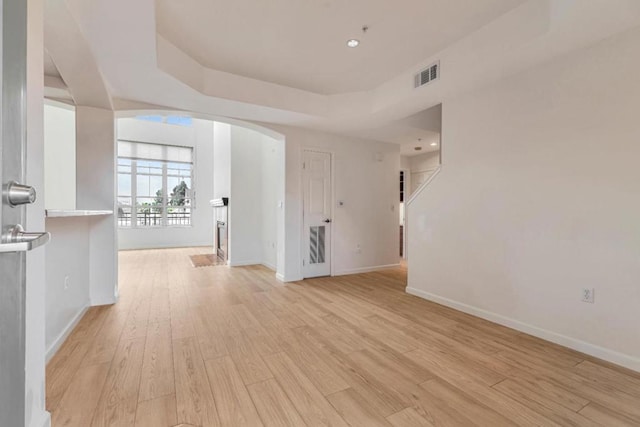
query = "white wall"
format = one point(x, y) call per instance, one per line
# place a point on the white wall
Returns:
point(424, 162)
point(421, 167)
point(199, 136)
point(95, 190)
point(405, 162)
point(256, 187)
point(221, 160)
point(538, 199)
point(368, 187)
point(272, 195)
point(83, 249)
point(68, 257)
point(245, 204)
point(59, 156)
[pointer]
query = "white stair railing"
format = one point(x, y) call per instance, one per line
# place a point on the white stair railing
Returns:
point(424, 185)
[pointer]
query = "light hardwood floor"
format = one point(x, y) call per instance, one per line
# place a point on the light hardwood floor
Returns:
point(216, 346)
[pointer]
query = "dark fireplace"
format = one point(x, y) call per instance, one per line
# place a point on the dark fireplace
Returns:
point(220, 217)
point(221, 240)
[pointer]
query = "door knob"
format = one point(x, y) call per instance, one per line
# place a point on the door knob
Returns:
point(19, 194)
point(327, 220)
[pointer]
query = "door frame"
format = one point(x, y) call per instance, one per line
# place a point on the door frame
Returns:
point(407, 194)
point(13, 129)
point(301, 212)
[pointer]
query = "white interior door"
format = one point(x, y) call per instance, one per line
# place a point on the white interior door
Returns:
point(14, 242)
point(316, 188)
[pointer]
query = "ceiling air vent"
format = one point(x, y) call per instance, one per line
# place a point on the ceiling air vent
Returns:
point(427, 75)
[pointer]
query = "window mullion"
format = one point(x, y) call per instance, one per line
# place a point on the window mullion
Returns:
point(134, 194)
point(165, 195)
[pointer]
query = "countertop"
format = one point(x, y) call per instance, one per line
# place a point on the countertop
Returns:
point(65, 213)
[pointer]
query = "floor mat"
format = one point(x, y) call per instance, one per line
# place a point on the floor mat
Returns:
point(206, 260)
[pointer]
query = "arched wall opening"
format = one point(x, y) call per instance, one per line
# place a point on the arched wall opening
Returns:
point(241, 161)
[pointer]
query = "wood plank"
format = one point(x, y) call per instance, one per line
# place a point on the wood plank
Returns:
point(542, 404)
point(64, 364)
point(159, 412)
point(379, 395)
point(316, 368)
point(61, 369)
point(103, 349)
point(157, 368)
point(511, 409)
point(272, 404)
point(391, 357)
point(602, 392)
point(195, 404)
point(247, 359)
point(356, 410)
point(235, 407)
point(620, 381)
point(455, 398)
point(307, 399)
point(160, 310)
point(117, 405)
point(209, 336)
point(408, 417)
point(88, 383)
point(606, 416)
point(136, 323)
point(391, 366)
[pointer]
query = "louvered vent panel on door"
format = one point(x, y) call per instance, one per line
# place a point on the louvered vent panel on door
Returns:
point(316, 244)
point(427, 75)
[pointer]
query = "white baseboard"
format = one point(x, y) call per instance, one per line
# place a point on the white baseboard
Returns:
point(365, 269)
point(109, 300)
point(166, 246)
point(57, 343)
point(44, 420)
point(609, 355)
point(243, 263)
point(269, 265)
point(283, 278)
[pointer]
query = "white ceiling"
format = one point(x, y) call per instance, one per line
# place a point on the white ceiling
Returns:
point(109, 50)
point(418, 130)
point(302, 43)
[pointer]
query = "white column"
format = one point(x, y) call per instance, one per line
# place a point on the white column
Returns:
point(95, 189)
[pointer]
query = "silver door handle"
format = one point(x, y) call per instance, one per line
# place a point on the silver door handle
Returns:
point(18, 240)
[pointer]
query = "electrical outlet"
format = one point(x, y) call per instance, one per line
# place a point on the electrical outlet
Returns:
point(358, 249)
point(588, 295)
point(66, 282)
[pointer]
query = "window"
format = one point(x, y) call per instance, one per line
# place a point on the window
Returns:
point(155, 185)
point(172, 120)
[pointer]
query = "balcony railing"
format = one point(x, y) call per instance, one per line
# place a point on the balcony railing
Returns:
point(154, 219)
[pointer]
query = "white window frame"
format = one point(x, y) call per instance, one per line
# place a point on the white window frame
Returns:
point(133, 218)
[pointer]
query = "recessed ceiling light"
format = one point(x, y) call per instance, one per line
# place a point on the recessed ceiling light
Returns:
point(353, 43)
point(434, 144)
